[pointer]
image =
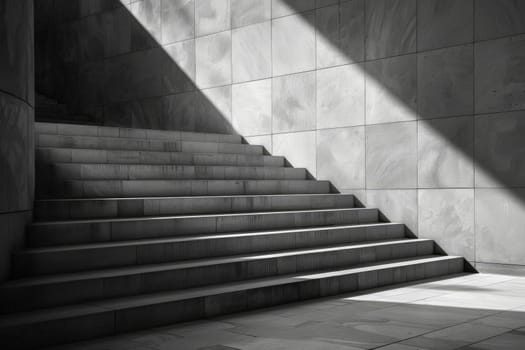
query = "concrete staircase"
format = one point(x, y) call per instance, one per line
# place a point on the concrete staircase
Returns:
point(141, 228)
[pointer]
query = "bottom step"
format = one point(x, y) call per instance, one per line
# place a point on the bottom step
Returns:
point(97, 319)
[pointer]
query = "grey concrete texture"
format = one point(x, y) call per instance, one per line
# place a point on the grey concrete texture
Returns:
point(391, 89)
point(65, 155)
point(133, 133)
point(390, 28)
point(139, 144)
point(134, 313)
point(13, 238)
point(165, 206)
point(17, 100)
point(219, 246)
point(16, 154)
point(163, 172)
point(157, 188)
point(447, 216)
point(391, 155)
point(441, 314)
point(92, 231)
point(16, 59)
point(204, 273)
point(376, 96)
point(153, 251)
point(446, 152)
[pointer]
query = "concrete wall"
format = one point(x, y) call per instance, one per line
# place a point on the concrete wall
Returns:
point(418, 107)
point(106, 61)
point(16, 125)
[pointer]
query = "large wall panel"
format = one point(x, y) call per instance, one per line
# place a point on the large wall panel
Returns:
point(16, 126)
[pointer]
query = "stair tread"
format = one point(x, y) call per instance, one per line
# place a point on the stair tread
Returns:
point(172, 165)
point(133, 171)
point(116, 304)
point(181, 197)
point(196, 237)
point(140, 269)
point(202, 180)
point(145, 151)
point(171, 217)
point(43, 124)
point(188, 187)
point(137, 139)
point(136, 144)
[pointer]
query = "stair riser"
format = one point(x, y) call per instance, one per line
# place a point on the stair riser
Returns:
point(78, 233)
point(210, 306)
point(104, 131)
point(162, 188)
point(165, 172)
point(136, 207)
point(144, 145)
point(27, 264)
point(55, 332)
point(141, 283)
point(72, 155)
point(160, 314)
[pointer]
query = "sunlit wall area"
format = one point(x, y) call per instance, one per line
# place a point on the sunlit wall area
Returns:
point(16, 126)
point(417, 107)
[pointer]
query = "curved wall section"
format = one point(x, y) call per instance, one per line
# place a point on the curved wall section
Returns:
point(16, 125)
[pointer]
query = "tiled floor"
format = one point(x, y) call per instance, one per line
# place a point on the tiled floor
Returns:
point(477, 311)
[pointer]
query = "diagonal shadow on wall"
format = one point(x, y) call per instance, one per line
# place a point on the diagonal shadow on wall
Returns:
point(409, 81)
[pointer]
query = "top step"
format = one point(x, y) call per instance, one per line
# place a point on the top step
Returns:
point(151, 134)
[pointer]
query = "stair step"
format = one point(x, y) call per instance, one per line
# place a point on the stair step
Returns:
point(107, 230)
point(79, 171)
point(63, 259)
point(80, 155)
point(164, 188)
point(67, 209)
point(79, 287)
point(149, 134)
point(121, 143)
point(84, 321)
point(148, 227)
